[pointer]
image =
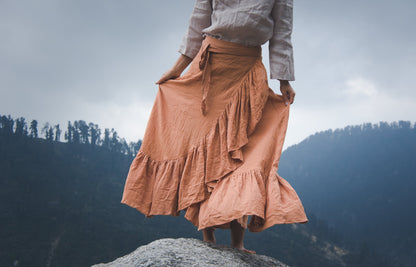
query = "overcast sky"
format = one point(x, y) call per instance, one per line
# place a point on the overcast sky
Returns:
point(97, 60)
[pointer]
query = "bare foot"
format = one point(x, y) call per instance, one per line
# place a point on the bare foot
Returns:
point(209, 235)
point(245, 250)
point(237, 236)
point(249, 251)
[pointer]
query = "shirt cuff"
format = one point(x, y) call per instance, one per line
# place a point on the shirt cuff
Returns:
point(189, 51)
point(282, 72)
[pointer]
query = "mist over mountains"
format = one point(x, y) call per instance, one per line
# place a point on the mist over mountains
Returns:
point(60, 202)
point(361, 180)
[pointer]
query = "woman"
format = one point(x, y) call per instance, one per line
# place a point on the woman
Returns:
point(215, 134)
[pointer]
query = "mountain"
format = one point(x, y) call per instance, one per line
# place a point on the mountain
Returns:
point(60, 206)
point(362, 181)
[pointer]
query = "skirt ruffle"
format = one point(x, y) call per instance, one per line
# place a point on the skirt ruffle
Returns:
point(218, 167)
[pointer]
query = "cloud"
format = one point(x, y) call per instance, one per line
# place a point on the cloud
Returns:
point(97, 60)
point(360, 87)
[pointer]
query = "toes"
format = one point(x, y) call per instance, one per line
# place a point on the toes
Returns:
point(246, 250)
point(249, 251)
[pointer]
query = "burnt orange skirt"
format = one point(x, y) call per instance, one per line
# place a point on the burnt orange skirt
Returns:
point(212, 145)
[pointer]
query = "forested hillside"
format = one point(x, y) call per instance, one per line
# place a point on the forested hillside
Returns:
point(362, 181)
point(78, 132)
point(60, 204)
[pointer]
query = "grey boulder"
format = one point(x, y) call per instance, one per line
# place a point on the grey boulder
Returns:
point(189, 252)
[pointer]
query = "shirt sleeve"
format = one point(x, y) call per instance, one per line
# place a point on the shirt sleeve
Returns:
point(280, 45)
point(200, 19)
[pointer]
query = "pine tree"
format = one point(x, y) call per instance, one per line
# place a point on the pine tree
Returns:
point(57, 133)
point(7, 125)
point(21, 127)
point(50, 134)
point(115, 145)
point(45, 130)
point(106, 142)
point(69, 133)
point(95, 134)
point(84, 131)
point(34, 129)
point(135, 147)
point(75, 133)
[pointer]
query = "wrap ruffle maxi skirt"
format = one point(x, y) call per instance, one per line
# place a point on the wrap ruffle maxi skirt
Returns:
point(212, 145)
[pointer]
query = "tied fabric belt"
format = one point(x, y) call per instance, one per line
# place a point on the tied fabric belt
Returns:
point(212, 45)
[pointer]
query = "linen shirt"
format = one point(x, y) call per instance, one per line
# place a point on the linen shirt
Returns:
point(248, 22)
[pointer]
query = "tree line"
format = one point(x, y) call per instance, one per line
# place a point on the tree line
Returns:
point(364, 128)
point(77, 132)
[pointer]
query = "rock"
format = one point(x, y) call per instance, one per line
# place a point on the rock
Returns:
point(189, 252)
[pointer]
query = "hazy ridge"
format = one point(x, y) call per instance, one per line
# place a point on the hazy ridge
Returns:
point(60, 202)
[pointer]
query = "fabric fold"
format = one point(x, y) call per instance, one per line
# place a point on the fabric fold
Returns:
point(197, 172)
point(268, 200)
point(187, 158)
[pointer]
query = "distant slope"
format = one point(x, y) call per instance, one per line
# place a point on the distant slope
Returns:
point(60, 206)
point(362, 181)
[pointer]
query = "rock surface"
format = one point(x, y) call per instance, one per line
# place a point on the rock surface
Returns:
point(189, 252)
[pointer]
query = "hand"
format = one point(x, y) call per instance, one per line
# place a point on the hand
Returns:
point(287, 92)
point(180, 64)
point(170, 74)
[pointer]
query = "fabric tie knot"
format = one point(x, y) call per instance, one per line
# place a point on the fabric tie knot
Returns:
point(204, 65)
point(204, 58)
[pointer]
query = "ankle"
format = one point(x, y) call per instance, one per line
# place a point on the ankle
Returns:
point(209, 235)
point(237, 235)
point(237, 245)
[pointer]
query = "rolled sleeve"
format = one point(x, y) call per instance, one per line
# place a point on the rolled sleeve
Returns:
point(280, 45)
point(200, 19)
